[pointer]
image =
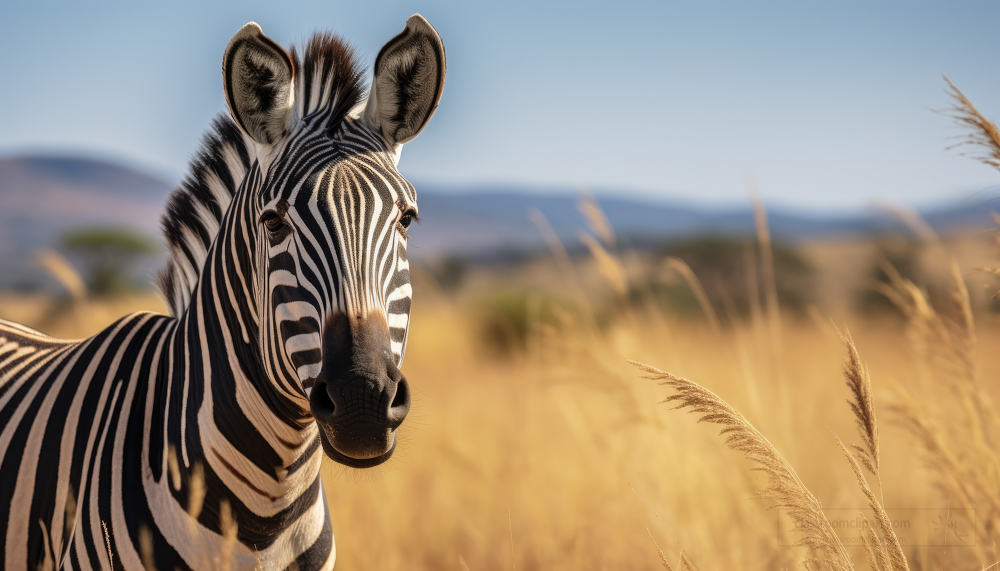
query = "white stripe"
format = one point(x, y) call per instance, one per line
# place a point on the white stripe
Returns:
point(303, 342)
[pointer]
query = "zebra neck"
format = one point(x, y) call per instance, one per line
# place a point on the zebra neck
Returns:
point(219, 450)
point(249, 444)
point(269, 426)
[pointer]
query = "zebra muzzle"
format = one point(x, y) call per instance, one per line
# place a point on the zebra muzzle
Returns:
point(360, 398)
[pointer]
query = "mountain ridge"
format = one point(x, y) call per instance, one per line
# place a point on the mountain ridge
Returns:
point(42, 197)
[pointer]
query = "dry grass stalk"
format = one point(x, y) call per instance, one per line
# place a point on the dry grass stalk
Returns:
point(889, 544)
point(863, 407)
point(985, 135)
point(684, 562)
point(882, 547)
point(681, 267)
point(564, 263)
point(63, 271)
point(967, 326)
point(911, 219)
point(107, 539)
point(910, 416)
point(510, 527)
point(146, 548)
point(768, 276)
point(598, 222)
point(742, 355)
point(555, 246)
point(229, 529)
point(933, 335)
point(753, 291)
point(993, 271)
point(196, 500)
point(783, 484)
point(878, 557)
point(965, 460)
point(174, 467)
point(47, 563)
point(196, 491)
point(950, 343)
point(955, 479)
point(663, 558)
point(69, 516)
point(769, 281)
point(609, 267)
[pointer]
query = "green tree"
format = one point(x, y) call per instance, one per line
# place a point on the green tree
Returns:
point(108, 254)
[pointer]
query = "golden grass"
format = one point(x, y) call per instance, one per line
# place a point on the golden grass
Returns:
point(535, 452)
point(526, 460)
point(529, 459)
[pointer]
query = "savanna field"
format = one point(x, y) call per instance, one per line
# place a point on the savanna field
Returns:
point(534, 444)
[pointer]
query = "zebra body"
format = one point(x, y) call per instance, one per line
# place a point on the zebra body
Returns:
point(195, 440)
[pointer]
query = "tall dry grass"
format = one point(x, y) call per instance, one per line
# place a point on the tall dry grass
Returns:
point(535, 450)
point(952, 341)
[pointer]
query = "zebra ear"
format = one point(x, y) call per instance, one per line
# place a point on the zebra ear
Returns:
point(258, 78)
point(407, 83)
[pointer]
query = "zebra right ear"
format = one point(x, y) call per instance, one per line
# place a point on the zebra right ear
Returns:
point(258, 77)
point(408, 81)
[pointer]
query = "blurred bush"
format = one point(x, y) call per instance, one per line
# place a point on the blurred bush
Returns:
point(108, 256)
point(729, 272)
point(918, 261)
point(508, 318)
point(449, 272)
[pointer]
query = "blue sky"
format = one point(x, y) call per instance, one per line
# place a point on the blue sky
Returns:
point(827, 104)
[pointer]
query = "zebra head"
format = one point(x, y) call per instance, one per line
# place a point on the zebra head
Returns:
point(330, 220)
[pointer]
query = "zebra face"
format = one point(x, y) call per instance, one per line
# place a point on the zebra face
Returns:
point(338, 296)
point(331, 226)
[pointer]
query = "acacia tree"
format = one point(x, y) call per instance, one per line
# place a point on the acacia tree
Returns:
point(108, 254)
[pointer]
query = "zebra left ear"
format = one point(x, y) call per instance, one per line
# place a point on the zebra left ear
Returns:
point(409, 79)
point(258, 77)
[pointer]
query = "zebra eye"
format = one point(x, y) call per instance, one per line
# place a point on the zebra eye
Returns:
point(406, 220)
point(272, 222)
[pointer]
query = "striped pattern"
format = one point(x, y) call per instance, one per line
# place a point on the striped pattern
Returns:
point(186, 441)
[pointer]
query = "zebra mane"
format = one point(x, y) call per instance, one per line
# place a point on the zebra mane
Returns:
point(327, 83)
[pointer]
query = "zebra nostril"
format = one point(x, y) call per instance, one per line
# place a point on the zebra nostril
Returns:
point(400, 404)
point(320, 402)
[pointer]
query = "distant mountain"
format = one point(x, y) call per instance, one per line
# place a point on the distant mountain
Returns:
point(43, 197)
point(477, 223)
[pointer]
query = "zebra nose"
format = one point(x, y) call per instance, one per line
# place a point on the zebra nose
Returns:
point(335, 405)
point(360, 397)
point(358, 425)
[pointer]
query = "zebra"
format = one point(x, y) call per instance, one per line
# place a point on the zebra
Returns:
point(194, 440)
